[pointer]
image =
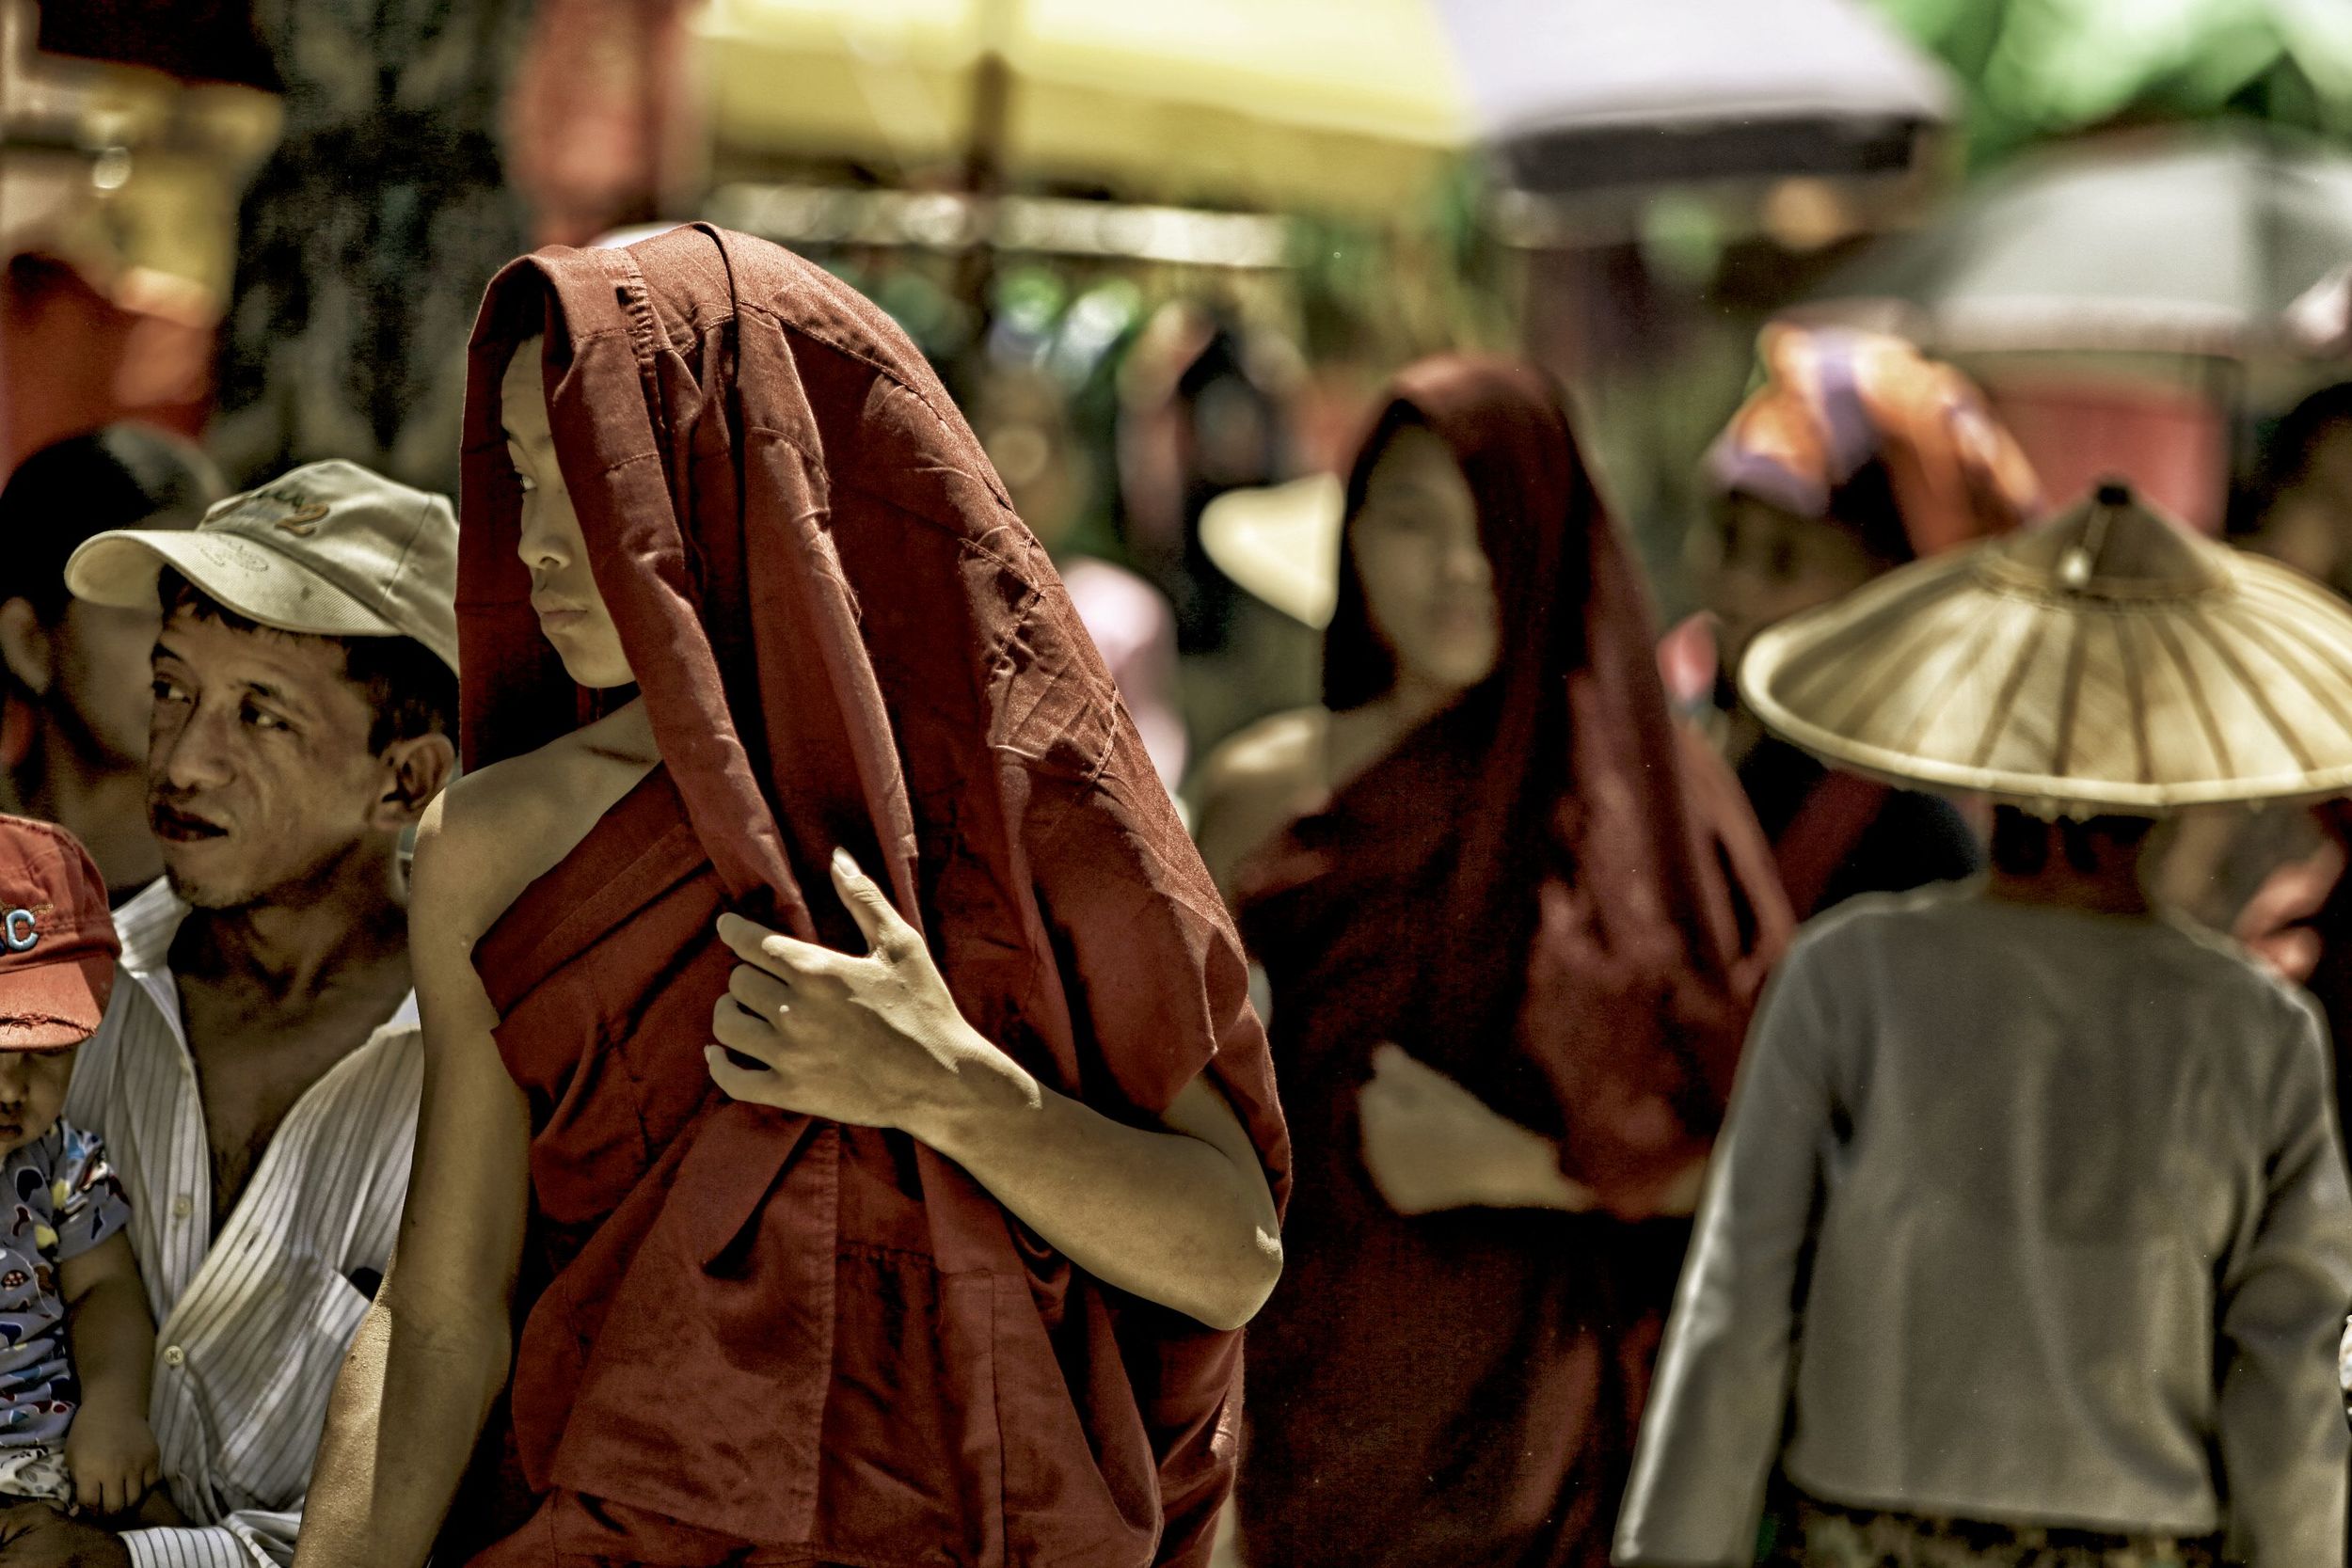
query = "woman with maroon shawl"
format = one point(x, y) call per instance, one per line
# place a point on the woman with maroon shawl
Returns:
point(938, 1259)
point(1513, 945)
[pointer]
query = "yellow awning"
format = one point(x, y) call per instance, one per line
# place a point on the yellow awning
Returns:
point(1338, 104)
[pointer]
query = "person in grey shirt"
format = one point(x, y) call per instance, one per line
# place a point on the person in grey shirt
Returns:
point(2028, 1239)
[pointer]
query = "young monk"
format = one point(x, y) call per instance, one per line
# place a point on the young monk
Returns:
point(1856, 455)
point(2028, 1243)
point(838, 1061)
point(1513, 934)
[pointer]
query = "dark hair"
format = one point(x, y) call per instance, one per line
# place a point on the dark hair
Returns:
point(123, 476)
point(409, 689)
point(1864, 506)
point(2285, 455)
point(2304, 426)
point(1358, 666)
point(2021, 842)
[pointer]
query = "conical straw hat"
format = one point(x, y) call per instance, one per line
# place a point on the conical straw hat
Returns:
point(2107, 661)
point(1281, 543)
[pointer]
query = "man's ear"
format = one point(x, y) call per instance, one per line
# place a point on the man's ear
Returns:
point(414, 772)
point(25, 645)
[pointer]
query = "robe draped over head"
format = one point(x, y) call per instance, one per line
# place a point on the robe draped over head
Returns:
point(1867, 432)
point(744, 1326)
point(1553, 895)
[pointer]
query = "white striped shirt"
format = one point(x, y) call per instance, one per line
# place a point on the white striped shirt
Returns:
point(251, 1328)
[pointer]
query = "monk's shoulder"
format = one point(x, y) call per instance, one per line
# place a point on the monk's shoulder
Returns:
point(496, 829)
point(1282, 752)
point(1255, 782)
point(469, 834)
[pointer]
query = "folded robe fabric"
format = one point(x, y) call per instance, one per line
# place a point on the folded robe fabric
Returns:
point(1554, 896)
point(745, 1329)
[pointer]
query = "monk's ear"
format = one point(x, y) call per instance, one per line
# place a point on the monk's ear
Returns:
point(414, 770)
point(25, 645)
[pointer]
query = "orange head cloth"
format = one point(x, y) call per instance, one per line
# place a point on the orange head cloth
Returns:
point(1867, 432)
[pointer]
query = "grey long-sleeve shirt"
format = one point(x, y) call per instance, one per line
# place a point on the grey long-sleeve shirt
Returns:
point(2021, 1214)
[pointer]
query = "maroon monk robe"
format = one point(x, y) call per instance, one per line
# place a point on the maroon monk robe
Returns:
point(750, 1336)
point(1553, 897)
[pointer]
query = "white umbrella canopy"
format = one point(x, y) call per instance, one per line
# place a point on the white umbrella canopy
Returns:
point(1579, 94)
point(2209, 240)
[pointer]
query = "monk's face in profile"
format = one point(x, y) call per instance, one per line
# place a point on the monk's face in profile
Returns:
point(1426, 578)
point(572, 614)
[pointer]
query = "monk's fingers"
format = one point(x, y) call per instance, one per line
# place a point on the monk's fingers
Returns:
point(887, 933)
point(1410, 1075)
point(742, 1082)
point(787, 958)
point(760, 991)
point(745, 1033)
point(1397, 1079)
point(1382, 1108)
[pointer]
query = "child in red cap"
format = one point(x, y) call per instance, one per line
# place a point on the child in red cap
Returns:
point(73, 1403)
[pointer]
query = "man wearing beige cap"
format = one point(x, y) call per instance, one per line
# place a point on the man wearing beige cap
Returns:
point(257, 1083)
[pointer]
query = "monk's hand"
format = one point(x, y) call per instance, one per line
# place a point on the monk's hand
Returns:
point(873, 1041)
point(1431, 1145)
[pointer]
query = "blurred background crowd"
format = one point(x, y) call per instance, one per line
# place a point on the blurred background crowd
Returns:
point(1166, 254)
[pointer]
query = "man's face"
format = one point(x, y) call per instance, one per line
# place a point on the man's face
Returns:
point(259, 774)
point(32, 1092)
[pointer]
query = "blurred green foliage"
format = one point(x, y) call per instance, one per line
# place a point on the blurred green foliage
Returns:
point(2038, 69)
point(1434, 277)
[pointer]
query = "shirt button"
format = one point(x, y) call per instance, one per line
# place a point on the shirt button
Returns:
point(174, 1355)
point(182, 1206)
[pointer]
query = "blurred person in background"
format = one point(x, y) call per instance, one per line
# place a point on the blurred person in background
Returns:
point(2302, 512)
point(1513, 921)
point(1856, 455)
point(1021, 416)
point(74, 698)
point(2276, 878)
point(2028, 1243)
point(1202, 415)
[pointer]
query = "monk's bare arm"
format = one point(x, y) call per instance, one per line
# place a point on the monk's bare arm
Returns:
point(432, 1351)
point(1182, 1217)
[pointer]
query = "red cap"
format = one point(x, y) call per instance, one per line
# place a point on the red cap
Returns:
point(57, 943)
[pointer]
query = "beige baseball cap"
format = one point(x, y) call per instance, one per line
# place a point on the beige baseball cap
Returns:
point(329, 548)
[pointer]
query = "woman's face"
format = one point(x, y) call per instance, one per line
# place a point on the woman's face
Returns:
point(1775, 564)
point(1424, 571)
point(572, 614)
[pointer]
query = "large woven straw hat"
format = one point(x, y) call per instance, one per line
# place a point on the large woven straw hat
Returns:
point(2107, 661)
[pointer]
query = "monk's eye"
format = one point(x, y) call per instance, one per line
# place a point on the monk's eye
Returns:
point(525, 480)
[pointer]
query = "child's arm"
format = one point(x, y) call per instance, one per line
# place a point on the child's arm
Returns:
point(110, 1449)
